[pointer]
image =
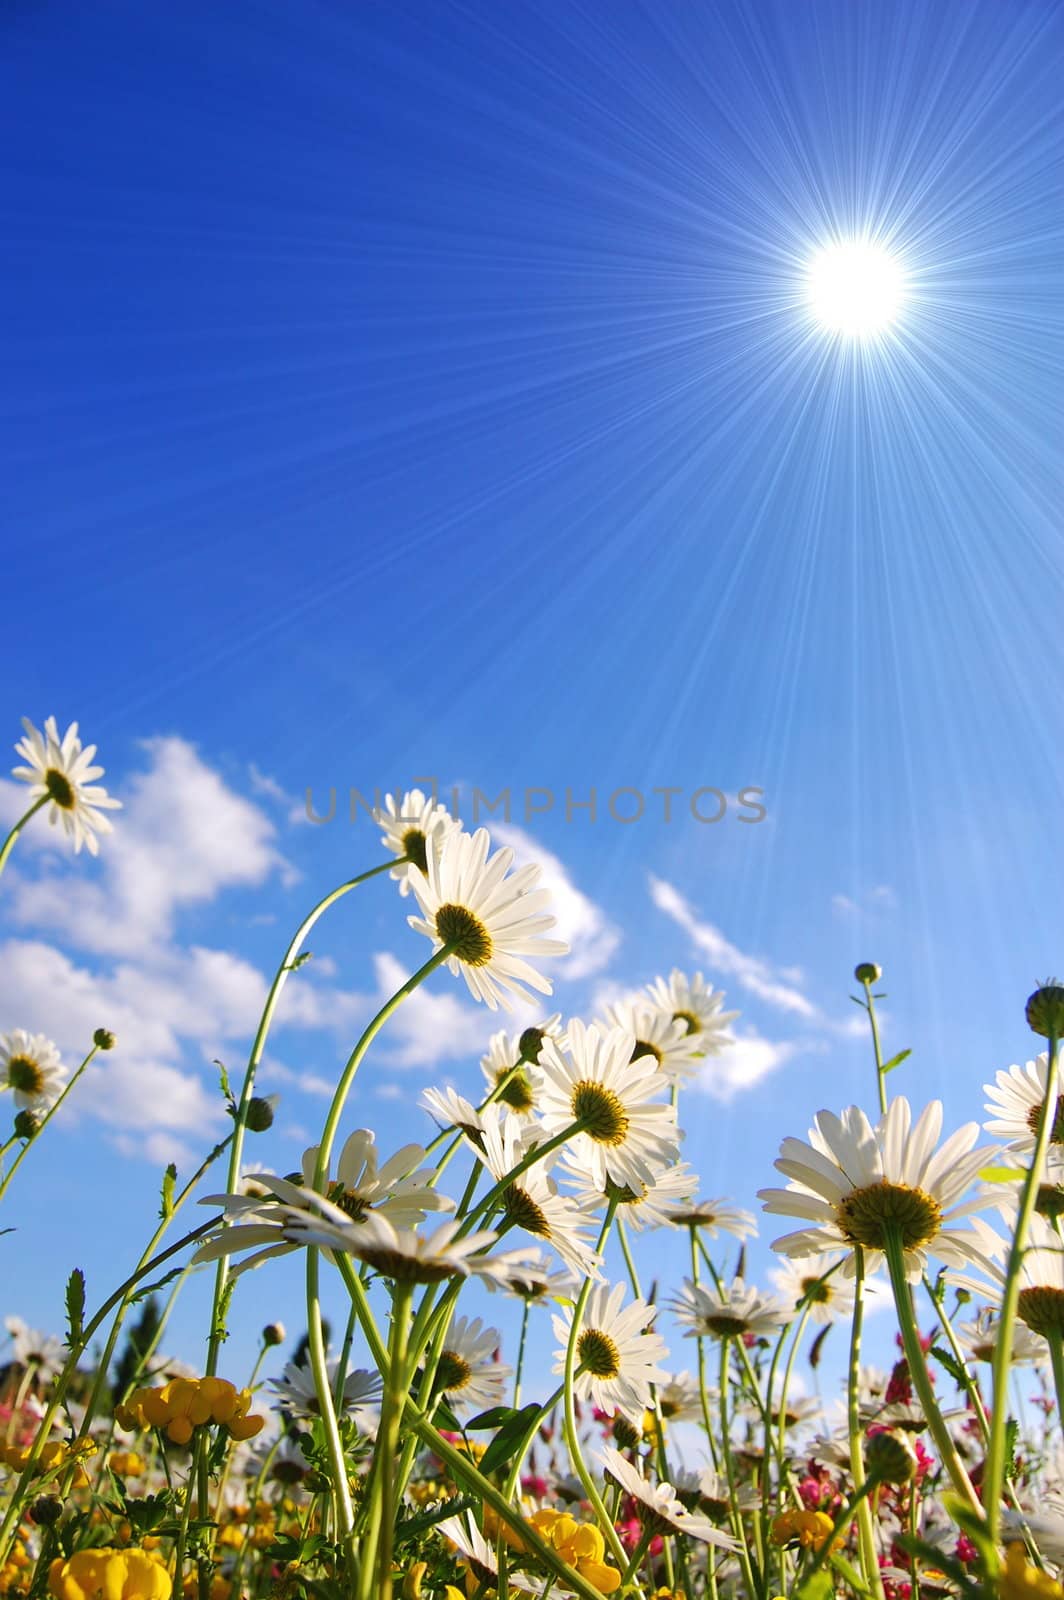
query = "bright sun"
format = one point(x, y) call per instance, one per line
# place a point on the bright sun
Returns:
point(855, 288)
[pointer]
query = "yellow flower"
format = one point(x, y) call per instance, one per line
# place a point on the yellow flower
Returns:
point(810, 1529)
point(185, 1404)
point(53, 1457)
point(126, 1463)
point(580, 1544)
point(110, 1575)
point(1021, 1581)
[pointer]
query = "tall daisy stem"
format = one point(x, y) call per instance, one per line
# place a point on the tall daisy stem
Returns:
point(921, 1378)
point(289, 963)
point(753, 1584)
point(9, 842)
point(994, 1471)
point(881, 1078)
point(866, 1538)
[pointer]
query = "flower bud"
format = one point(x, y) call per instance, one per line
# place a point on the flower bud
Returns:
point(27, 1125)
point(867, 972)
point(273, 1333)
point(530, 1044)
point(625, 1434)
point(890, 1458)
point(1045, 1010)
point(46, 1511)
point(260, 1114)
point(103, 1039)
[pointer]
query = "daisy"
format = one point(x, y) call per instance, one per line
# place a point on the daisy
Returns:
point(728, 1312)
point(31, 1068)
point(487, 921)
point(660, 1036)
point(815, 1281)
point(627, 1138)
point(513, 1062)
point(405, 1257)
point(1015, 1105)
point(530, 1277)
point(413, 826)
point(709, 1491)
point(697, 1005)
point(659, 1507)
point(40, 1353)
point(532, 1201)
point(449, 1109)
point(716, 1217)
point(296, 1393)
point(646, 1205)
point(980, 1338)
point(61, 772)
point(616, 1355)
point(397, 1187)
point(478, 1556)
point(853, 1182)
point(467, 1373)
point(1041, 1298)
point(680, 1399)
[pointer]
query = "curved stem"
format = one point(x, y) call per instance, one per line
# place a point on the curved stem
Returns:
point(9, 842)
point(881, 1082)
point(288, 964)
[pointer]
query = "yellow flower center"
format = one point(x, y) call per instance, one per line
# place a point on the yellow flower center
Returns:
point(1034, 1116)
point(725, 1324)
point(1049, 1201)
point(690, 1021)
point(350, 1203)
point(453, 1373)
point(815, 1291)
point(601, 1112)
point(523, 1212)
point(25, 1074)
point(597, 1353)
point(518, 1092)
point(466, 935)
point(643, 1047)
point(60, 789)
point(866, 1215)
point(415, 848)
point(1042, 1309)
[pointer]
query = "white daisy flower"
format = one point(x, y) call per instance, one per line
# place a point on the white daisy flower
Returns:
point(680, 1399)
point(617, 1357)
point(709, 1491)
point(468, 1373)
point(477, 1554)
point(449, 1109)
point(1017, 1096)
point(645, 1205)
point(627, 1137)
point(658, 1505)
point(816, 1281)
point(261, 1215)
point(716, 1217)
point(297, 1394)
point(40, 1353)
point(406, 1257)
point(489, 921)
point(1041, 1298)
point(980, 1338)
point(516, 1060)
point(533, 1201)
point(852, 1182)
point(531, 1276)
point(31, 1068)
point(413, 826)
point(60, 771)
point(730, 1312)
point(657, 1034)
point(696, 1004)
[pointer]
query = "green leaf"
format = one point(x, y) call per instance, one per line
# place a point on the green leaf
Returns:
point(166, 1207)
point(75, 1306)
point(819, 1587)
point(1001, 1174)
point(223, 1079)
point(153, 1288)
point(1012, 1439)
point(816, 1347)
point(895, 1061)
point(496, 1417)
point(947, 1359)
point(509, 1439)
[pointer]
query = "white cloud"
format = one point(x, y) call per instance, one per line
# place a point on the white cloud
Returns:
point(431, 1025)
point(592, 938)
point(183, 837)
point(759, 977)
point(743, 1064)
point(871, 901)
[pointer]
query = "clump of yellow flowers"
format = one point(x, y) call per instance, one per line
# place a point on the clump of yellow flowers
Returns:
point(118, 1574)
point(185, 1404)
point(580, 1544)
point(810, 1529)
point(53, 1456)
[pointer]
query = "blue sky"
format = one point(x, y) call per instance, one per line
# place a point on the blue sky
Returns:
point(428, 389)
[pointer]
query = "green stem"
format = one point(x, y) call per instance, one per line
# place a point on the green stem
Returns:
point(994, 1469)
point(526, 1307)
point(866, 1536)
point(383, 1506)
point(881, 1082)
point(1056, 1353)
point(753, 1584)
point(288, 964)
point(917, 1364)
point(9, 842)
point(326, 1410)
